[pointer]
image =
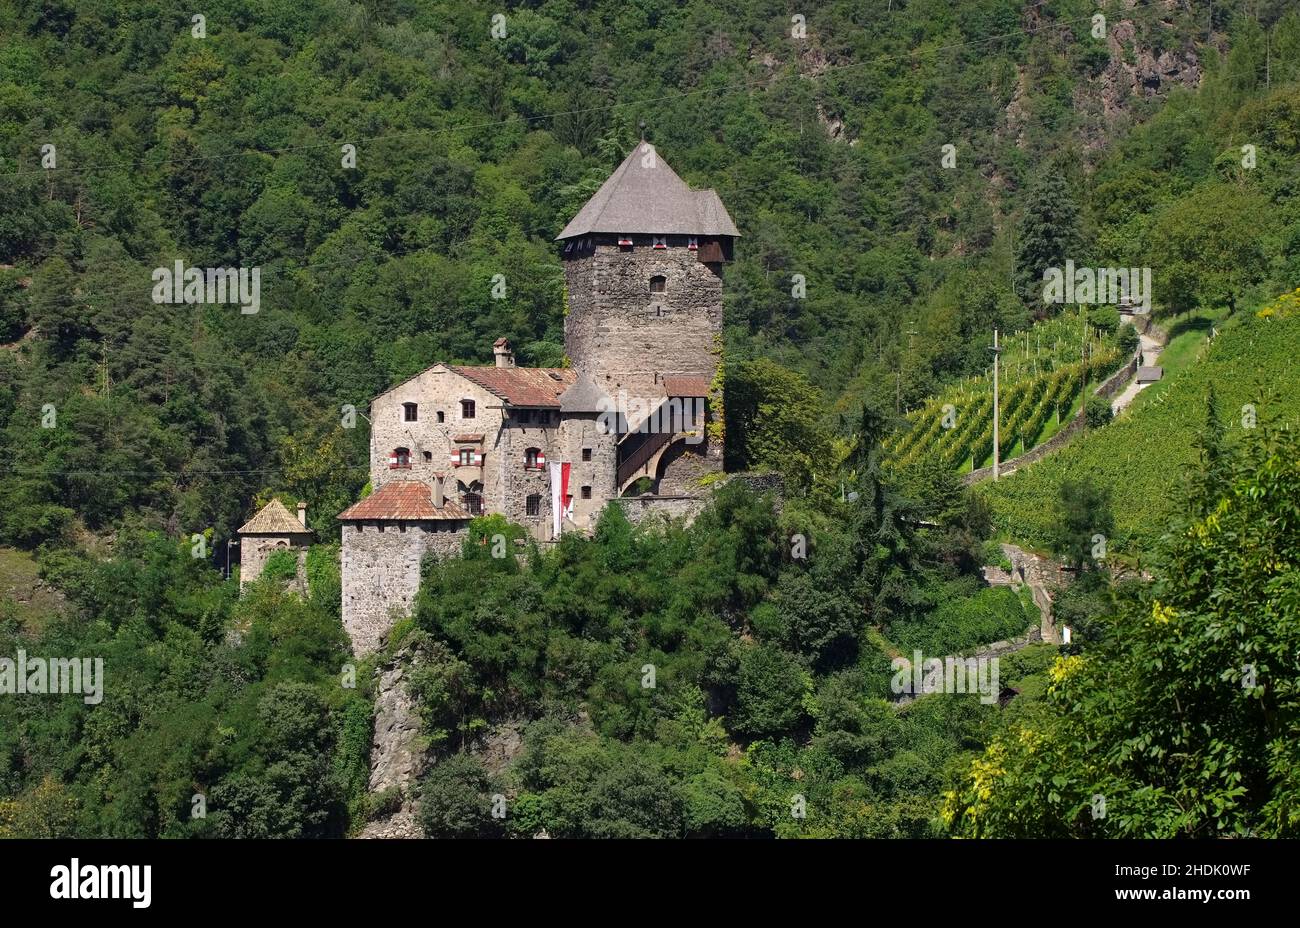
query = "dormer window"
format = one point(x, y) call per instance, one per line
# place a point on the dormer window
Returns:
point(410, 412)
point(658, 283)
point(659, 241)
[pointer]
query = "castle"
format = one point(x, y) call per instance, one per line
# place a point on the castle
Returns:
point(549, 448)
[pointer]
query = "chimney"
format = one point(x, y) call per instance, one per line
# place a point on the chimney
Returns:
point(501, 350)
point(438, 499)
point(302, 514)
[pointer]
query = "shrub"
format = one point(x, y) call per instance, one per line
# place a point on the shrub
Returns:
point(1098, 412)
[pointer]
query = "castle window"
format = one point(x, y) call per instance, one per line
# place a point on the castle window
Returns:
point(534, 459)
point(524, 416)
point(428, 456)
point(410, 412)
point(440, 415)
point(534, 505)
point(586, 492)
point(464, 457)
point(401, 457)
point(586, 454)
point(658, 284)
point(659, 241)
point(472, 503)
point(625, 241)
point(467, 409)
point(692, 244)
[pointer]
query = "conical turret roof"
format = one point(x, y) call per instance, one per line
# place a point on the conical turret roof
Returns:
point(644, 195)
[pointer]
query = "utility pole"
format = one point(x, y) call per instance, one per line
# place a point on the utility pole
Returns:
point(996, 351)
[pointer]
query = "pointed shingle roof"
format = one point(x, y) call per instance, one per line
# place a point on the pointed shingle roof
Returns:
point(584, 396)
point(644, 195)
point(273, 519)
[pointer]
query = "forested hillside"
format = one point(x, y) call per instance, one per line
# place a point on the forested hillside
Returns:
point(874, 265)
point(472, 152)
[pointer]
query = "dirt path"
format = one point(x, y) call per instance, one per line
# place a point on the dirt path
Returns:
point(1151, 348)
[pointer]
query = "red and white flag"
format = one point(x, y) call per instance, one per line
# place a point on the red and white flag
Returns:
point(560, 499)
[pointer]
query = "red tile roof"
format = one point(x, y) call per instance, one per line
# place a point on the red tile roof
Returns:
point(686, 386)
point(403, 499)
point(522, 386)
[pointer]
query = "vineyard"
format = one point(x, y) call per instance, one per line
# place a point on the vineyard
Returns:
point(1144, 456)
point(1044, 374)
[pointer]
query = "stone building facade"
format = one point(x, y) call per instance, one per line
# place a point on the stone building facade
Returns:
point(385, 539)
point(272, 529)
point(548, 448)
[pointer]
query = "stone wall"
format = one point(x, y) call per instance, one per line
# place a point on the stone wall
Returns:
point(254, 550)
point(627, 338)
point(648, 508)
point(381, 572)
point(682, 467)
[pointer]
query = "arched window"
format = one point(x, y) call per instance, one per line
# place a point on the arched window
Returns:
point(401, 457)
point(534, 459)
point(658, 283)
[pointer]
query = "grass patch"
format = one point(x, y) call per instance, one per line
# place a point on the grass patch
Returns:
point(21, 592)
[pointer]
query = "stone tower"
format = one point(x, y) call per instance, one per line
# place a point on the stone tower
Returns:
point(643, 269)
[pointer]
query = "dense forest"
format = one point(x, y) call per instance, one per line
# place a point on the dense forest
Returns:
point(132, 136)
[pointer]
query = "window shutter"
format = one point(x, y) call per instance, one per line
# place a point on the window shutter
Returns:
point(477, 459)
point(541, 459)
point(455, 459)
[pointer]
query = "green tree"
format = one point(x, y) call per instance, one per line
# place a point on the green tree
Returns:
point(1184, 721)
point(1083, 514)
point(1207, 249)
point(1048, 232)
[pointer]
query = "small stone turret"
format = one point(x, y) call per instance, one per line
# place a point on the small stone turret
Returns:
point(273, 529)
